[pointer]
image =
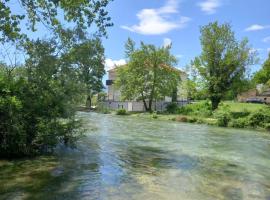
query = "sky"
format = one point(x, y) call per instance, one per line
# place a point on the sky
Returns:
point(161, 22)
point(177, 22)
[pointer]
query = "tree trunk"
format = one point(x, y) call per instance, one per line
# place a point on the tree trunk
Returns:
point(145, 105)
point(144, 102)
point(215, 102)
point(88, 101)
point(150, 105)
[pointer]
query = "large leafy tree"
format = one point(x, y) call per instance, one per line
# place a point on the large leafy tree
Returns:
point(223, 60)
point(263, 75)
point(88, 58)
point(37, 107)
point(81, 13)
point(148, 76)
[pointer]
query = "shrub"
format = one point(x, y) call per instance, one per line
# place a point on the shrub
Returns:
point(192, 120)
point(199, 109)
point(185, 110)
point(267, 126)
point(121, 112)
point(154, 115)
point(239, 122)
point(172, 108)
point(259, 118)
point(223, 117)
point(35, 115)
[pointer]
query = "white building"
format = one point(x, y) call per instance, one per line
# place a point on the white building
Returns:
point(114, 94)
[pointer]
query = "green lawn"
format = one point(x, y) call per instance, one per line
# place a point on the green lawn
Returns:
point(238, 107)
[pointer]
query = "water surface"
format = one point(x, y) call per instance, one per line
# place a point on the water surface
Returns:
point(133, 159)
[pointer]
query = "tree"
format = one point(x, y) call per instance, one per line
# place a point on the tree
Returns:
point(223, 60)
point(148, 76)
point(263, 75)
point(37, 107)
point(88, 58)
point(81, 13)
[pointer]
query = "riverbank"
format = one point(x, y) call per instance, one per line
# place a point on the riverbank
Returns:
point(229, 114)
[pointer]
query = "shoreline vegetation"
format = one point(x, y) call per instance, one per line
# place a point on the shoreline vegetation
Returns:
point(229, 114)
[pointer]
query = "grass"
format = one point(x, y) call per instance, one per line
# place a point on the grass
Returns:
point(240, 107)
point(237, 115)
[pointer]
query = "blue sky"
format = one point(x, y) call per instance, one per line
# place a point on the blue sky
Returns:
point(178, 21)
point(161, 22)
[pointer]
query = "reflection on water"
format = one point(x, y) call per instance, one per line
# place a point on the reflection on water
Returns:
point(131, 158)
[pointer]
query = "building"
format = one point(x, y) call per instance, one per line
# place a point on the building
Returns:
point(114, 95)
point(255, 95)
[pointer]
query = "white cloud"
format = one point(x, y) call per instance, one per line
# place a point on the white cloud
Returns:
point(179, 55)
point(268, 50)
point(167, 42)
point(110, 64)
point(266, 39)
point(158, 21)
point(256, 27)
point(209, 6)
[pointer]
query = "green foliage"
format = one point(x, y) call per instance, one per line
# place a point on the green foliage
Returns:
point(81, 14)
point(239, 122)
point(121, 112)
point(149, 75)
point(172, 108)
point(37, 110)
point(263, 75)
point(102, 108)
point(240, 114)
point(223, 117)
point(259, 118)
point(267, 126)
point(88, 58)
point(202, 108)
point(223, 60)
point(154, 115)
point(192, 119)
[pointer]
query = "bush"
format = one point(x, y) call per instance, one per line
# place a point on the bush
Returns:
point(35, 116)
point(239, 122)
point(192, 119)
point(199, 109)
point(259, 118)
point(267, 126)
point(154, 115)
point(223, 117)
point(172, 108)
point(121, 112)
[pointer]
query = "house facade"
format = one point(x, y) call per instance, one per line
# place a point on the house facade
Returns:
point(255, 95)
point(114, 95)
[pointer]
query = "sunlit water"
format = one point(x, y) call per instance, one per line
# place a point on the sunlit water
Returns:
point(131, 158)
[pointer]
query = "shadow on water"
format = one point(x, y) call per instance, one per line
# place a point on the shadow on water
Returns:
point(149, 159)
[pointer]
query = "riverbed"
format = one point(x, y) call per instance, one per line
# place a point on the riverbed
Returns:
point(128, 158)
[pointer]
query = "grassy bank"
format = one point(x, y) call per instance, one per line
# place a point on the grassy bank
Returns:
point(229, 114)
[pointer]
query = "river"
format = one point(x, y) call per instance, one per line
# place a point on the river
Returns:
point(128, 158)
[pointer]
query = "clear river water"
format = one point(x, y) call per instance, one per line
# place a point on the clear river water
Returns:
point(129, 158)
